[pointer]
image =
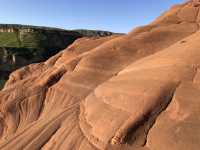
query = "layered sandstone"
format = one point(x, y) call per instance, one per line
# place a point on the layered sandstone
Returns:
point(138, 91)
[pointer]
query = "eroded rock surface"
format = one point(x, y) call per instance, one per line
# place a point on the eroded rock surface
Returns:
point(138, 91)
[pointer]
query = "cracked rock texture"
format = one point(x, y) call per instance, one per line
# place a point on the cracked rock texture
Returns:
point(139, 91)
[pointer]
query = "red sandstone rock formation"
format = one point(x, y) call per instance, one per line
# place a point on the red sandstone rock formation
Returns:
point(139, 91)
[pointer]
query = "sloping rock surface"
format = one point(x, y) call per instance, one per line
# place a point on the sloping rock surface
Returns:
point(134, 92)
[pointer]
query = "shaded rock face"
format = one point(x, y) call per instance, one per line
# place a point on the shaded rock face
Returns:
point(22, 45)
point(138, 91)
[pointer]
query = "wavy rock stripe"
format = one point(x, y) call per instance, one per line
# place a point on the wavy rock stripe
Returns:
point(138, 91)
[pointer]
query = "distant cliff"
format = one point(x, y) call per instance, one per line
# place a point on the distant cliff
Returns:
point(21, 45)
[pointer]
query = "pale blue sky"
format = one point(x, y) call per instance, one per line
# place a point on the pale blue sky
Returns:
point(112, 15)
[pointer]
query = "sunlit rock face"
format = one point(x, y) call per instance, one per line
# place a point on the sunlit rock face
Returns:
point(135, 92)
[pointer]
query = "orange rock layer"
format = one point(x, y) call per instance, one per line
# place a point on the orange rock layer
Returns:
point(139, 91)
